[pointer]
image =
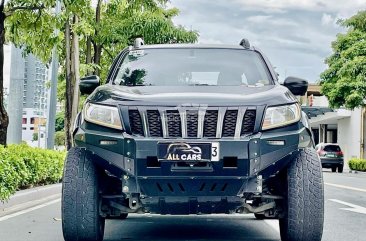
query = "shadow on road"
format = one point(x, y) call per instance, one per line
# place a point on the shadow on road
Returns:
point(213, 228)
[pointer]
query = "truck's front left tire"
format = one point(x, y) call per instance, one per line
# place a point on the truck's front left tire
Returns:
point(80, 198)
point(304, 199)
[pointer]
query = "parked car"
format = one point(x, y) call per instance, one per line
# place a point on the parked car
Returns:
point(192, 129)
point(331, 156)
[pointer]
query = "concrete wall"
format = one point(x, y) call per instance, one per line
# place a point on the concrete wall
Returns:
point(320, 101)
point(15, 102)
point(349, 135)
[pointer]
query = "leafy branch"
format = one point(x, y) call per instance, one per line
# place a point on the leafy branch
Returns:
point(12, 10)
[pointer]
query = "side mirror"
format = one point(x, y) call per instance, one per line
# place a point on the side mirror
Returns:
point(297, 86)
point(88, 84)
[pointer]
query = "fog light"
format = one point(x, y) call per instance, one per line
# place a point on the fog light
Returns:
point(125, 189)
point(108, 143)
point(276, 143)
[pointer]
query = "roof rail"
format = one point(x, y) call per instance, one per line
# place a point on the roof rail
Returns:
point(245, 43)
point(138, 43)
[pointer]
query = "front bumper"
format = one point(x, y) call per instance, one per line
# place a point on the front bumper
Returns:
point(134, 161)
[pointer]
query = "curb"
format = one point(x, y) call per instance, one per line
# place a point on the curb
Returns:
point(31, 197)
point(357, 172)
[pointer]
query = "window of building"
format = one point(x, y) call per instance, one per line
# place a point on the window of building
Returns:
point(24, 121)
point(32, 128)
point(24, 128)
point(32, 120)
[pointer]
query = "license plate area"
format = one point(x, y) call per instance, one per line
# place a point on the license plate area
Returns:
point(188, 152)
point(331, 155)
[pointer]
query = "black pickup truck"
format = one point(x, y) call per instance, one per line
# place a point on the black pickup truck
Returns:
point(192, 129)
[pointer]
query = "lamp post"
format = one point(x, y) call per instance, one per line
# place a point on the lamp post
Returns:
point(51, 118)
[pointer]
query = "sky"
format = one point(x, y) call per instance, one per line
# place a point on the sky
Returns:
point(295, 35)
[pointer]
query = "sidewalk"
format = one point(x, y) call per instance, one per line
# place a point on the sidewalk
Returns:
point(31, 197)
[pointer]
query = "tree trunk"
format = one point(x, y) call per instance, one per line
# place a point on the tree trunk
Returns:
point(88, 53)
point(75, 63)
point(97, 46)
point(4, 119)
point(69, 87)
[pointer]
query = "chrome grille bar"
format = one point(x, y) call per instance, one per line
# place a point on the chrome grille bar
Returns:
point(183, 118)
point(239, 121)
point(144, 119)
point(220, 121)
point(201, 119)
point(163, 122)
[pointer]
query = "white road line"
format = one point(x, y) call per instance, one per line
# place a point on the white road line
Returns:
point(6, 217)
point(273, 224)
point(345, 187)
point(354, 208)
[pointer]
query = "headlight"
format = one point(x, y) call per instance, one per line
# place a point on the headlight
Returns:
point(103, 115)
point(281, 116)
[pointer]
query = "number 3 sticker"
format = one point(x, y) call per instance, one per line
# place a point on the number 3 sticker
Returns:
point(215, 152)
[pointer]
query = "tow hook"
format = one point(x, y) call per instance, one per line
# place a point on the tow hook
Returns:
point(133, 203)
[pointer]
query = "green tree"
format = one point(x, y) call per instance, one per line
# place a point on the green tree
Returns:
point(344, 81)
point(8, 11)
point(89, 38)
point(60, 138)
point(60, 121)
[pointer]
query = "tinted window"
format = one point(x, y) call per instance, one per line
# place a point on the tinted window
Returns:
point(332, 148)
point(177, 67)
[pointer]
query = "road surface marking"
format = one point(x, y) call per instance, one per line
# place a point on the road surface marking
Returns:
point(6, 217)
point(273, 224)
point(345, 187)
point(354, 208)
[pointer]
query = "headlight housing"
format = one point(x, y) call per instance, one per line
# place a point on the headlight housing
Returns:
point(103, 115)
point(277, 116)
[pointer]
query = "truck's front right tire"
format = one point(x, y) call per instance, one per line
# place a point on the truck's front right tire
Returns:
point(304, 199)
point(81, 199)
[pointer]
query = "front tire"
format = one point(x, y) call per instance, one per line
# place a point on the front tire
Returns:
point(80, 198)
point(304, 205)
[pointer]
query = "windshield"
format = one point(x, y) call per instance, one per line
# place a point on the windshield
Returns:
point(206, 67)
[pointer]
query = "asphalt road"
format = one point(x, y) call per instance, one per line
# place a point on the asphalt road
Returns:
point(345, 219)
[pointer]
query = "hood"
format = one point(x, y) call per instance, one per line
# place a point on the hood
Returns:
point(192, 95)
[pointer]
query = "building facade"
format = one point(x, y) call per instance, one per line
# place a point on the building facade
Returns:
point(27, 103)
point(342, 126)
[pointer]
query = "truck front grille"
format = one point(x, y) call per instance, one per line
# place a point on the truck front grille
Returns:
point(192, 123)
point(230, 120)
point(155, 127)
point(174, 123)
point(136, 122)
point(211, 122)
point(248, 122)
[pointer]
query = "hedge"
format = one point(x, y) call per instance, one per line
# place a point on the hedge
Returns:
point(357, 164)
point(22, 166)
